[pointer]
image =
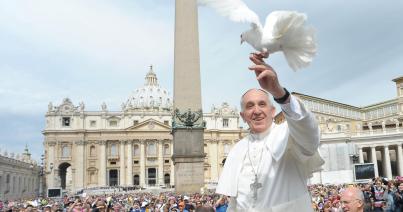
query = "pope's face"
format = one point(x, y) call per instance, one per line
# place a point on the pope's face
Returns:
point(257, 112)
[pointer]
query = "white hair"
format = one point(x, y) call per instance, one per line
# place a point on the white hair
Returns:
point(256, 89)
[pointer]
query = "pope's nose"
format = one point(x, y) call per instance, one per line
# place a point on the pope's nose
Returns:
point(257, 110)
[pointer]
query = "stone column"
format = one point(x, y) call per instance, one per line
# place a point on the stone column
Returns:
point(360, 155)
point(142, 163)
point(102, 164)
point(73, 176)
point(122, 173)
point(214, 158)
point(79, 166)
point(399, 158)
point(160, 162)
point(374, 160)
point(129, 163)
point(387, 170)
point(50, 165)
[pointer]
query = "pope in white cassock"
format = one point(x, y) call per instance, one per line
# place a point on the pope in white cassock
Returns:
point(268, 169)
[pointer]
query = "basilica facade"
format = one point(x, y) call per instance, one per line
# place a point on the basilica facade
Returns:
point(133, 146)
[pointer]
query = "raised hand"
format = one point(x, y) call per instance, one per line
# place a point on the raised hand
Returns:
point(265, 75)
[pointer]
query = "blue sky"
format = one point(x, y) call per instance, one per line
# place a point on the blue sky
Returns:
point(99, 51)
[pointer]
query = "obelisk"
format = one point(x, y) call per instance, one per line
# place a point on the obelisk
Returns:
point(187, 123)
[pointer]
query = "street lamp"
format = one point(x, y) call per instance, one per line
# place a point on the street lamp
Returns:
point(41, 174)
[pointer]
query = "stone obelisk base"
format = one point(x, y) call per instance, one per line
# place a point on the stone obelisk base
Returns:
point(188, 158)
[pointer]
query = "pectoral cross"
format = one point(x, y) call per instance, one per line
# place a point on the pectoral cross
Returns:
point(254, 186)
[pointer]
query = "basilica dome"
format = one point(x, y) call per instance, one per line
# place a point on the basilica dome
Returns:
point(151, 95)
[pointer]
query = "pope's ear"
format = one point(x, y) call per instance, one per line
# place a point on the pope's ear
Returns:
point(361, 203)
point(273, 111)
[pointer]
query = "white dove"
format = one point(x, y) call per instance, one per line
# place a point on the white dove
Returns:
point(283, 31)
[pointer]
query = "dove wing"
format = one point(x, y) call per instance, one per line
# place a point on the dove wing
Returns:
point(286, 31)
point(235, 10)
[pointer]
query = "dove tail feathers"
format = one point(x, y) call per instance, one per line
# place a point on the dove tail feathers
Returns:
point(299, 47)
point(296, 40)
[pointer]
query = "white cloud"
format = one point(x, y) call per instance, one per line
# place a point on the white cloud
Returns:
point(97, 31)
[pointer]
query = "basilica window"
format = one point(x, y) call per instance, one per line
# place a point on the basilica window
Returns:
point(166, 122)
point(135, 122)
point(113, 123)
point(151, 149)
point(65, 151)
point(93, 177)
point(225, 122)
point(93, 123)
point(136, 180)
point(166, 149)
point(92, 151)
point(141, 103)
point(66, 121)
point(167, 179)
point(151, 101)
point(136, 151)
point(114, 150)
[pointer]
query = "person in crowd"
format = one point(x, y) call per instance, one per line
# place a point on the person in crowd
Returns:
point(399, 197)
point(222, 204)
point(352, 199)
point(379, 193)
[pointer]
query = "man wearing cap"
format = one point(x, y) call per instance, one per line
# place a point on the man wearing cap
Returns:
point(269, 168)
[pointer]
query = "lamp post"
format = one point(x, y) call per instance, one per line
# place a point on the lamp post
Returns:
point(41, 174)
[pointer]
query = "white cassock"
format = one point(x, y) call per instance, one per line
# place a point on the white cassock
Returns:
point(285, 156)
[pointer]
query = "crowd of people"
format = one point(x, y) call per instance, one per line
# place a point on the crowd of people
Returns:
point(128, 201)
point(377, 195)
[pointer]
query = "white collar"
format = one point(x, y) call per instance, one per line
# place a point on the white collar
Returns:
point(260, 136)
point(276, 146)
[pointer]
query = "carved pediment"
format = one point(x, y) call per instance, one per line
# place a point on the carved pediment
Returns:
point(224, 110)
point(117, 118)
point(66, 107)
point(149, 125)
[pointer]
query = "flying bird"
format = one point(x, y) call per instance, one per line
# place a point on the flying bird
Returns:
point(283, 31)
